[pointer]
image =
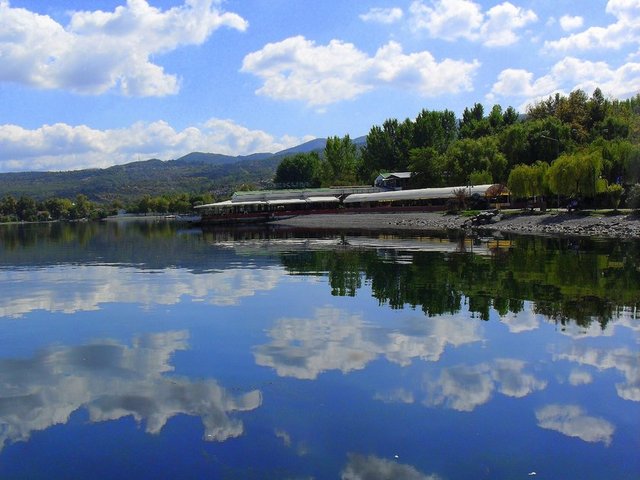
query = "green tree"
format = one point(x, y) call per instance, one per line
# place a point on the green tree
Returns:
point(59, 208)
point(300, 170)
point(435, 130)
point(428, 167)
point(527, 181)
point(81, 208)
point(341, 157)
point(387, 149)
point(475, 155)
point(576, 175)
point(26, 209)
point(8, 206)
point(473, 123)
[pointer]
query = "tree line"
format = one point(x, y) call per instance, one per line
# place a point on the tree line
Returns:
point(572, 146)
point(27, 209)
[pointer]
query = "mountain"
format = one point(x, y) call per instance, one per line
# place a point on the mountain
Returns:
point(195, 172)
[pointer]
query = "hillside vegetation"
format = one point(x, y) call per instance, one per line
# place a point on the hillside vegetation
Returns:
point(565, 147)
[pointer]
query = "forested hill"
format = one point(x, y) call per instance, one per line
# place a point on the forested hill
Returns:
point(196, 172)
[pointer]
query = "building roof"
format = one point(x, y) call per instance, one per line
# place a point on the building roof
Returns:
point(388, 175)
point(417, 194)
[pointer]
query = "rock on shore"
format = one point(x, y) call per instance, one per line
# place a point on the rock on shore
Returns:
point(551, 223)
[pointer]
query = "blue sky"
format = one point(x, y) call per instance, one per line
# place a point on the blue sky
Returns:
point(96, 83)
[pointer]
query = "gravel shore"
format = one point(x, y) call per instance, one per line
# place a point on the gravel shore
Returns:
point(623, 225)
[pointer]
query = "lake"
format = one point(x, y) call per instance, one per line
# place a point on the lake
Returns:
point(148, 350)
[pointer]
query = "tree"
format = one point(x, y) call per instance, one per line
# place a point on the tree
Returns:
point(341, 157)
point(528, 180)
point(480, 178)
point(81, 208)
point(301, 170)
point(473, 123)
point(8, 206)
point(633, 197)
point(435, 130)
point(26, 209)
point(387, 149)
point(575, 175)
point(475, 155)
point(614, 192)
point(427, 166)
point(59, 208)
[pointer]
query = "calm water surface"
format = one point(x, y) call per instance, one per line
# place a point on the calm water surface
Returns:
point(147, 351)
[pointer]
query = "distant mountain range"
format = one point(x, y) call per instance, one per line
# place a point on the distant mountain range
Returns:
point(195, 172)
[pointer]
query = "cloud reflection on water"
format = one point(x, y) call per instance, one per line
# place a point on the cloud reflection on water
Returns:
point(623, 359)
point(111, 381)
point(361, 467)
point(464, 387)
point(75, 288)
point(572, 421)
point(336, 340)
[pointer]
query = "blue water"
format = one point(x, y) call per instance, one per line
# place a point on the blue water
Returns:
point(147, 351)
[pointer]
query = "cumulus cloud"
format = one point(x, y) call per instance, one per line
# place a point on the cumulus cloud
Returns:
point(454, 19)
point(568, 74)
point(98, 51)
point(361, 467)
point(464, 387)
point(625, 30)
point(298, 69)
point(382, 15)
point(112, 381)
point(571, 420)
point(568, 22)
point(335, 340)
point(66, 147)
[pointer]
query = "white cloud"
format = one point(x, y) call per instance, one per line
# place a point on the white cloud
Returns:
point(568, 22)
point(66, 147)
point(625, 30)
point(566, 75)
point(111, 381)
point(298, 69)
point(370, 467)
point(100, 51)
point(382, 15)
point(454, 19)
point(502, 20)
point(571, 420)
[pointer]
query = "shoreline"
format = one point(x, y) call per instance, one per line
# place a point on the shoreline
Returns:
point(550, 223)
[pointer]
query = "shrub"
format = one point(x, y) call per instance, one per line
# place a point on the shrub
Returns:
point(633, 197)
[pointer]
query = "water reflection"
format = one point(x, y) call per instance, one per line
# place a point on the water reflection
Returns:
point(75, 288)
point(111, 381)
point(370, 467)
point(571, 420)
point(625, 360)
point(464, 388)
point(334, 339)
point(468, 362)
point(577, 282)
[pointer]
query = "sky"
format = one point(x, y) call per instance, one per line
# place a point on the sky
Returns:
point(95, 83)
